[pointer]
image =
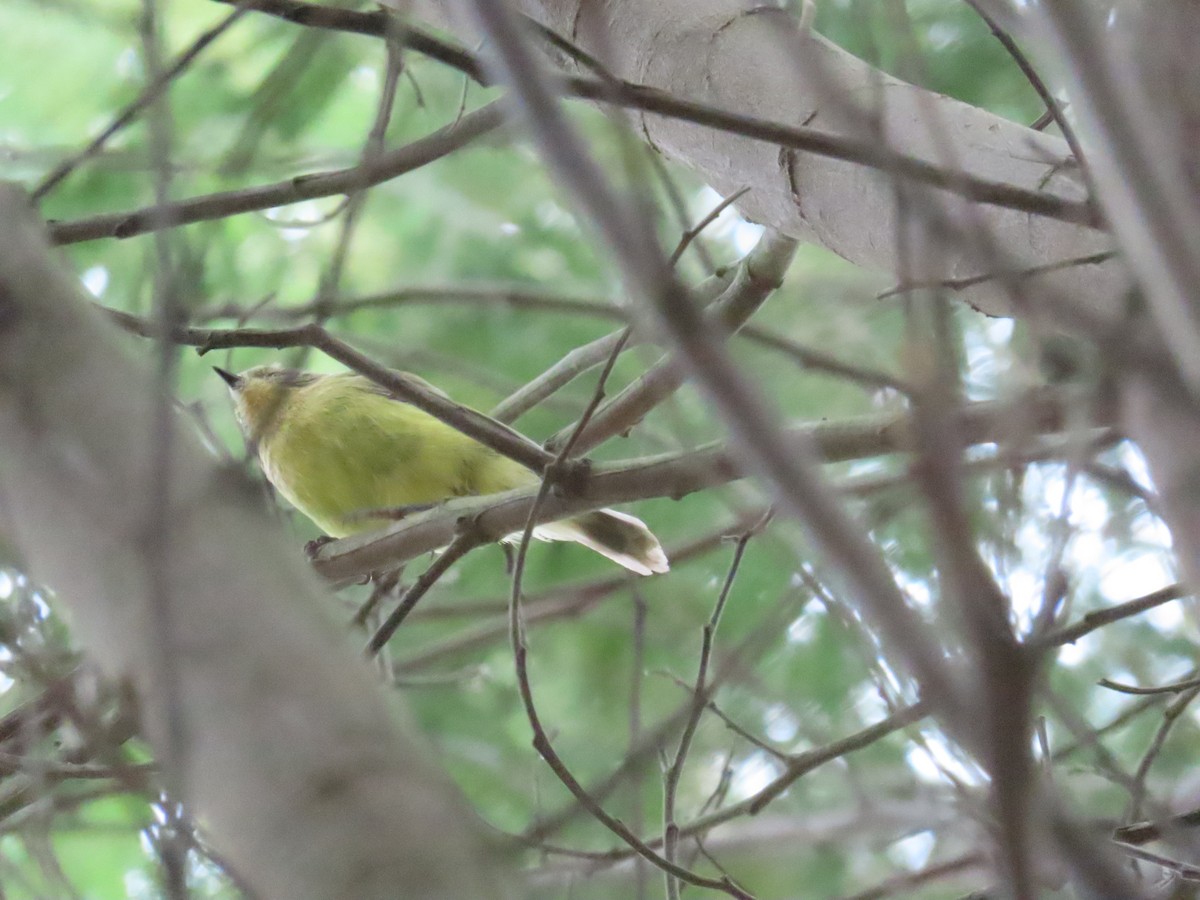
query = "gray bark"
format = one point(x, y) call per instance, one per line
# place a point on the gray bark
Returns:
point(737, 56)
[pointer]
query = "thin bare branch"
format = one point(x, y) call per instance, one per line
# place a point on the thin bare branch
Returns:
point(388, 165)
point(460, 547)
point(701, 694)
point(149, 95)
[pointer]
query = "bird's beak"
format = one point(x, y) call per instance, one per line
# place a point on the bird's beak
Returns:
point(234, 381)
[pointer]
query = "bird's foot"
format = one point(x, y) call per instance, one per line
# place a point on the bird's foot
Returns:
point(313, 547)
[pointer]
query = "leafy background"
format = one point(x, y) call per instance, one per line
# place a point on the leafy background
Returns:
point(268, 101)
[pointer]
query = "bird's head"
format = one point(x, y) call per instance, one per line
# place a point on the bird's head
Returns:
point(261, 394)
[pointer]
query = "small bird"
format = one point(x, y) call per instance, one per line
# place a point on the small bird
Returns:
point(339, 446)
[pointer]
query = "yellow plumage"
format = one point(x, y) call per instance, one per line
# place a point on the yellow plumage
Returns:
point(339, 445)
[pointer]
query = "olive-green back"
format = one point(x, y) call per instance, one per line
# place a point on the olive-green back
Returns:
point(342, 446)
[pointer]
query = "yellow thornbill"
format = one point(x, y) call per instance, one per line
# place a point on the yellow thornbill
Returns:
point(337, 446)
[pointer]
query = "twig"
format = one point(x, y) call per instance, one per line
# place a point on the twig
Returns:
point(700, 697)
point(650, 747)
point(384, 584)
point(509, 296)
point(1174, 688)
point(470, 422)
point(1186, 871)
point(750, 289)
point(1120, 720)
point(1088, 737)
point(820, 361)
point(558, 603)
point(733, 726)
point(1053, 110)
point(1145, 832)
point(467, 541)
point(902, 884)
point(692, 233)
point(679, 207)
point(729, 290)
point(541, 740)
point(148, 95)
point(801, 764)
point(637, 667)
point(371, 152)
point(959, 284)
point(1171, 715)
point(1056, 584)
point(583, 358)
point(385, 167)
point(1101, 617)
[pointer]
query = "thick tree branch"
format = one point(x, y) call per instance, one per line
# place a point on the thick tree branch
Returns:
point(674, 475)
point(694, 60)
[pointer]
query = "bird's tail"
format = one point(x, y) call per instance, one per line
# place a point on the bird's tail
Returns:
point(623, 538)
